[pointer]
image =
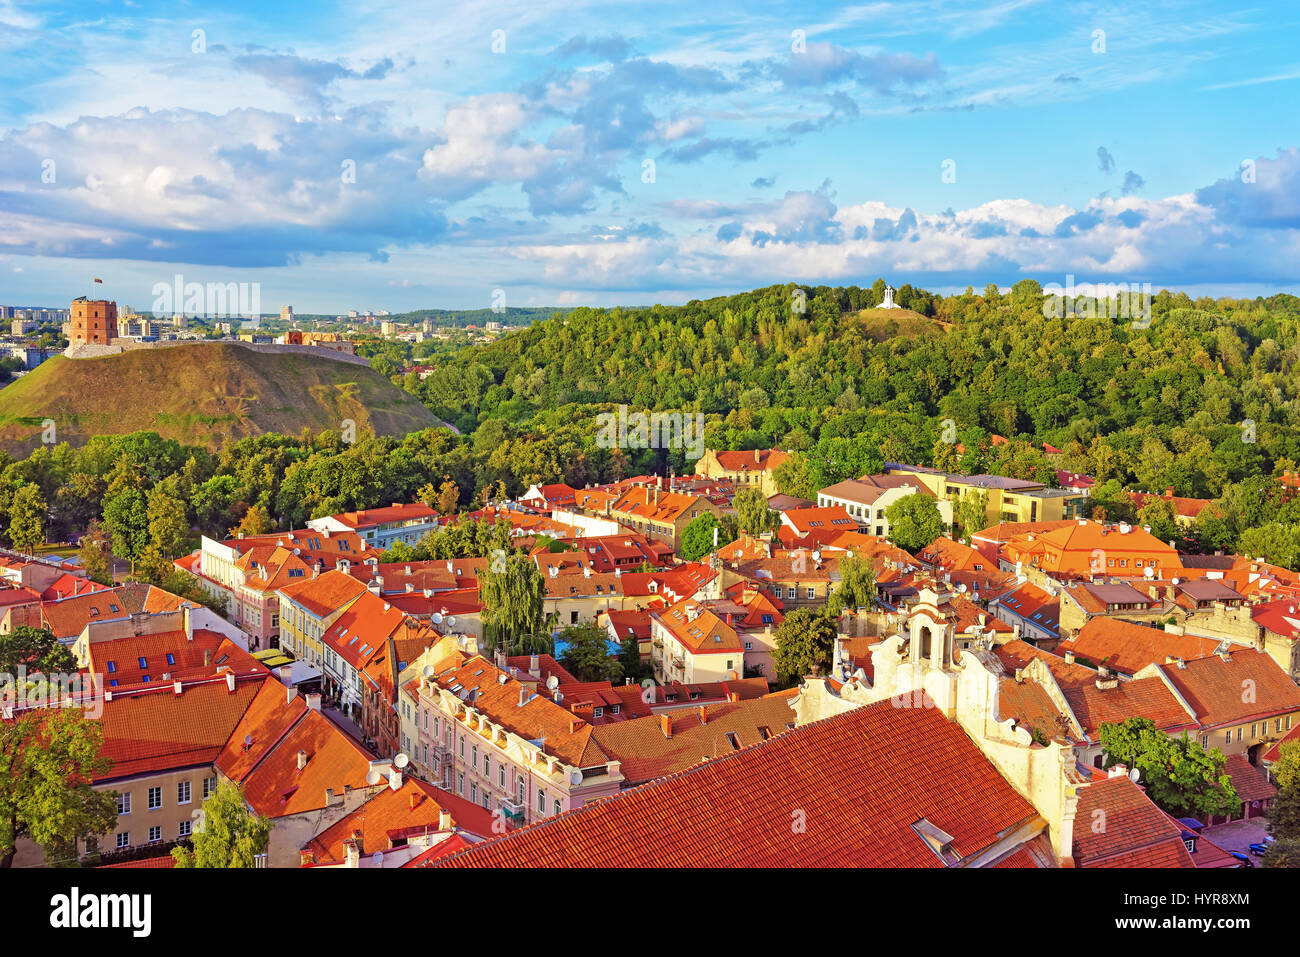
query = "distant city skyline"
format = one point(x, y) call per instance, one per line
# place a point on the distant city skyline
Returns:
point(347, 157)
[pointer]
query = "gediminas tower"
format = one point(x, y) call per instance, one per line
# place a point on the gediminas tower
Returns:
point(92, 322)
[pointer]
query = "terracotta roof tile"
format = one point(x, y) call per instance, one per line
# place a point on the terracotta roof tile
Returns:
point(855, 784)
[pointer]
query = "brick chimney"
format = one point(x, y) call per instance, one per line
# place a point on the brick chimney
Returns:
point(704, 715)
point(313, 701)
point(302, 760)
point(666, 725)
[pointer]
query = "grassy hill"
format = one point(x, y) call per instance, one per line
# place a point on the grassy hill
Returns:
point(201, 394)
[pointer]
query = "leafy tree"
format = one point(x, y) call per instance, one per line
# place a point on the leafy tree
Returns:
point(629, 656)
point(48, 760)
point(857, 587)
point(512, 590)
point(1159, 514)
point(256, 521)
point(169, 529)
point(1180, 776)
point(697, 537)
point(95, 555)
point(972, 514)
point(914, 521)
point(803, 641)
point(752, 514)
point(27, 514)
point(36, 650)
point(228, 833)
point(448, 498)
point(586, 655)
point(1283, 853)
point(126, 517)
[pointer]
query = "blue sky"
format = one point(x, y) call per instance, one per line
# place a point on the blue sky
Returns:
point(392, 156)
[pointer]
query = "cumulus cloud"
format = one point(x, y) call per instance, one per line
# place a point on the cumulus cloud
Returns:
point(821, 64)
point(1263, 193)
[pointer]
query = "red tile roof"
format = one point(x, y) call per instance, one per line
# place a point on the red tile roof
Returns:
point(1246, 686)
point(1251, 783)
point(1117, 825)
point(1128, 648)
point(147, 732)
point(391, 817)
point(845, 791)
point(647, 753)
point(324, 594)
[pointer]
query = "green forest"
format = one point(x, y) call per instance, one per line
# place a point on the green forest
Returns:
point(1203, 400)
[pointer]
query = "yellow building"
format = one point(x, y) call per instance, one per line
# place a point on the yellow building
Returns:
point(308, 608)
point(1009, 500)
point(756, 469)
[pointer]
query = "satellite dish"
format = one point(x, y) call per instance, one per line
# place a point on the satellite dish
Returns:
point(1174, 581)
point(576, 777)
point(401, 760)
point(374, 777)
point(378, 858)
point(428, 671)
point(437, 618)
point(552, 682)
point(451, 621)
point(248, 740)
point(1148, 572)
point(1134, 775)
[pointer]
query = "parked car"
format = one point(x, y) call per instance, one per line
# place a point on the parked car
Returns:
point(1260, 849)
point(1245, 861)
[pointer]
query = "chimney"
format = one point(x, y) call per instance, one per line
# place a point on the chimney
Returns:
point(394, 779)
point(313, 702)
point(666, 725)
point(415, 800)
point(445, 822)
point(704, 715)
point(757, 457)
point(230, 681)
point(176, 686)
point(302, 760)
point(354, 853)
point(290, 693)
point(523, 695)
point(189, 625)
point(207, 657)
point(1069, 657)
point(534, 664)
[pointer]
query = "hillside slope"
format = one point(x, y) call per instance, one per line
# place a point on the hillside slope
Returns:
point(201, 394)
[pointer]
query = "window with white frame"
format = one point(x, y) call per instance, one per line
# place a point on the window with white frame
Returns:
point(155, 798)
point(182, 792)
point(124, 803)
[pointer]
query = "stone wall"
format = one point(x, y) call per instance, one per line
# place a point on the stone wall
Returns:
point(124, 345)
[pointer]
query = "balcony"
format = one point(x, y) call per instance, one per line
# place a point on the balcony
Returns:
point(441, 754)
point(514, 812)
point(657, 643)
point(679, 663)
